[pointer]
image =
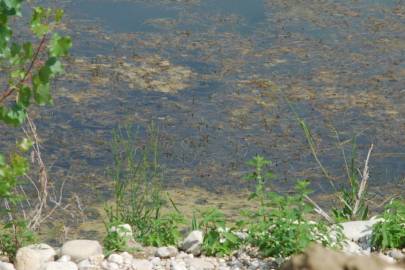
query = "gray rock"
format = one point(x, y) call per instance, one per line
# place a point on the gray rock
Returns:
point(396, 254)
point(166, 252)
point(60, 266)
point(32, 257)
point(80, 250)
point(6, 266)
point(193, 242)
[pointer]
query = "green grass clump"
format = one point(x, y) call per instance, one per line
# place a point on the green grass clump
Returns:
point(139, 197)
point(390, 231)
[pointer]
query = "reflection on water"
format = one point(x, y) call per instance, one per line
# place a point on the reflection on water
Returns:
point(216, 75)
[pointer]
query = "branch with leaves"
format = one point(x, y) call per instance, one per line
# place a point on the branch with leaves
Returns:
point(28, 70)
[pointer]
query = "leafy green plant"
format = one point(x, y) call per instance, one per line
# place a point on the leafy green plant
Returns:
point(164, 230)
point(117, 239)
point(219, 240)
point(285, 229)
point(390, 231)
point(280, 226)
point(27, 72)
point(139, 196)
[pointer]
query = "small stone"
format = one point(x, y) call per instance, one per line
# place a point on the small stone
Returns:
point(65, 258)
point(80, 250)
point(86, 265)
point(201, 264)
point(32, 257)
point(112, 266)
point(175, 265)
point(59, 266)
point(115, 258)
point(4, 258)
point(193, 242)
point(386, 258)
point(6, 266)
point(155, 261)
point(396, 254)
point(142, 264)
point(127, 258)
point(96, 259)
point(166, 252)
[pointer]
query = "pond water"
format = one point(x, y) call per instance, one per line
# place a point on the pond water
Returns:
point(223, 80)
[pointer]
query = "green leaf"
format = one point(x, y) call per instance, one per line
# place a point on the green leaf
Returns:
point(24, 96)
point(40, 15)
point(41, 90)
point(55, 66)
point(58, 15)
point(13, 116)
point(59, 46)
point(25, 144)
point(28, 51)
point(2, 160)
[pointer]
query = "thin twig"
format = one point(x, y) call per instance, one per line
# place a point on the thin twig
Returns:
point(12, 88)
point(319, 210)
point(363, 184)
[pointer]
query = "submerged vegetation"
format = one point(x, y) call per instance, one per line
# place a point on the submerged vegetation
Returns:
point(273, 223)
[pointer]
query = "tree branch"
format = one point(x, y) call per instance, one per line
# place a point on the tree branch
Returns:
point(10, 90)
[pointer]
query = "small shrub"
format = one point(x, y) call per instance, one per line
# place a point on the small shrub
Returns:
point(280, 226)
point(284, 229)
point(390, 232)
point(218, 239)
point(164, 230)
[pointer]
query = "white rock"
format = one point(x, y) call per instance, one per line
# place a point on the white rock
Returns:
point(386, 258)
point(6, 266)
point(87, 265)
point(46, 252)
point(193, 242)
point(178, 265)
point(155, 261)
point(142, 264)
point(96, 259)
point(80, 250)
point(65, 258)
point(358, 230)
point(112, 266)
point(115, 258)
point(166, 252)
point(32, 257)
point(350, 247)
point(201, 264)
point(60, 266)
point(123, 230)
